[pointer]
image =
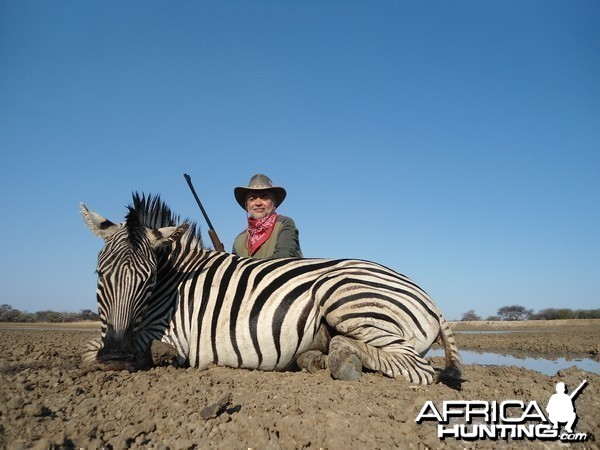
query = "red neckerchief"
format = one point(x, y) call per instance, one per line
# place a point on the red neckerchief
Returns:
point(259, 230)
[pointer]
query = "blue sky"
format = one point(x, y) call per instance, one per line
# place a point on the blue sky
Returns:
point(456, 142)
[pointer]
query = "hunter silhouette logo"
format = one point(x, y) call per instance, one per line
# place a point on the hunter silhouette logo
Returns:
point(508, 419)
point(560, 406)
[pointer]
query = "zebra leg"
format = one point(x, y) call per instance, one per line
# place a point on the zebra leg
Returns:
point(91, 350)
point(313, 359)
point(394, 360)
point(344, 361)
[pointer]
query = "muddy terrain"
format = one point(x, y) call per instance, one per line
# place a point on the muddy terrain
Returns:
point(49, 400)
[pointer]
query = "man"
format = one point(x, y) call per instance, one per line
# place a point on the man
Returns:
point(560, 408)
point(268, 235)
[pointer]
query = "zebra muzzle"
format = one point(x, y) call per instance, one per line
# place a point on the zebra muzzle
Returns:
point(117, 355)
point(117, 347)
point(117, 360)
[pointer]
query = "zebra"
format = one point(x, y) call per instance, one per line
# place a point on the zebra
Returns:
point(157, 281)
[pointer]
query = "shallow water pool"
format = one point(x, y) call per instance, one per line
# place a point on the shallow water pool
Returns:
point(545, 366)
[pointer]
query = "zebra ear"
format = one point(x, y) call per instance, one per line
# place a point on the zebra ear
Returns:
point(99, 225)
point(166, 235)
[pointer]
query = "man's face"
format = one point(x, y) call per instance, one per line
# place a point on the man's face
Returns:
point(260, 204)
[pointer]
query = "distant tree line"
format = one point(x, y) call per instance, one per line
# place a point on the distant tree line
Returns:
point(509, 313)
point(10, 314)
point(518, 312)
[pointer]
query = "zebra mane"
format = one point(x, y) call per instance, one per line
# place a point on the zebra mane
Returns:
point(151, 212)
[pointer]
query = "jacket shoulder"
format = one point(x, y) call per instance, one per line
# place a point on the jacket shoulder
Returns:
point(285, 220)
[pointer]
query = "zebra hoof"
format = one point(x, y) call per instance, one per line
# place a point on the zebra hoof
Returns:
point(347, 367)
point(312, 361)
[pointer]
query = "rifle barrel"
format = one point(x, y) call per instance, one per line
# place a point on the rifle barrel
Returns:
point(189, 182)
point(576, 391)
point(211, 230)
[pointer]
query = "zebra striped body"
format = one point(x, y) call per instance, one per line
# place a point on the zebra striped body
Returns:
point(157, 282)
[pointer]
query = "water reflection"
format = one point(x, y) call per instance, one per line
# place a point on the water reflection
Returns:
point(545, 366)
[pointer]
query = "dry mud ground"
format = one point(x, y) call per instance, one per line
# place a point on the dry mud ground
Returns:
point(48, 400)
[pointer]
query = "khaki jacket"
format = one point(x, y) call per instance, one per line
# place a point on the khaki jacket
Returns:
point(284, 242)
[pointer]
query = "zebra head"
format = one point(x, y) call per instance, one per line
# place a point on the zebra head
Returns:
point(127, 271)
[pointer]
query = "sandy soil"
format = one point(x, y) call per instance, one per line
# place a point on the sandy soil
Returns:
point(49, 400)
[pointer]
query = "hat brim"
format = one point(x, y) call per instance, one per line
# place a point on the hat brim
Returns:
point(240, 194)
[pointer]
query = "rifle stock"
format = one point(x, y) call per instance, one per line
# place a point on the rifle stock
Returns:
point(211, 231)
point(215, 241)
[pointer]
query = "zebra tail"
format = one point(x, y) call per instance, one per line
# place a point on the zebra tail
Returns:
point(452, 375)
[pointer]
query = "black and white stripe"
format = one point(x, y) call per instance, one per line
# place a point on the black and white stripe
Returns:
point(156, 281)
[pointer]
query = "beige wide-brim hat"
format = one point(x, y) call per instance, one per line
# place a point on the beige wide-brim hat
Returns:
point(259, 182)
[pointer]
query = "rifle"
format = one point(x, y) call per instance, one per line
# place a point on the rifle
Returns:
point(576, 391)
point(211, 231)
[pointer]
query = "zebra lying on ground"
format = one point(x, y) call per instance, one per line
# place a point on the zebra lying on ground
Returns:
point(157, 281)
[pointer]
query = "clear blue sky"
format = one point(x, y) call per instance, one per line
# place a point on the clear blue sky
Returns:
point(456, 142)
